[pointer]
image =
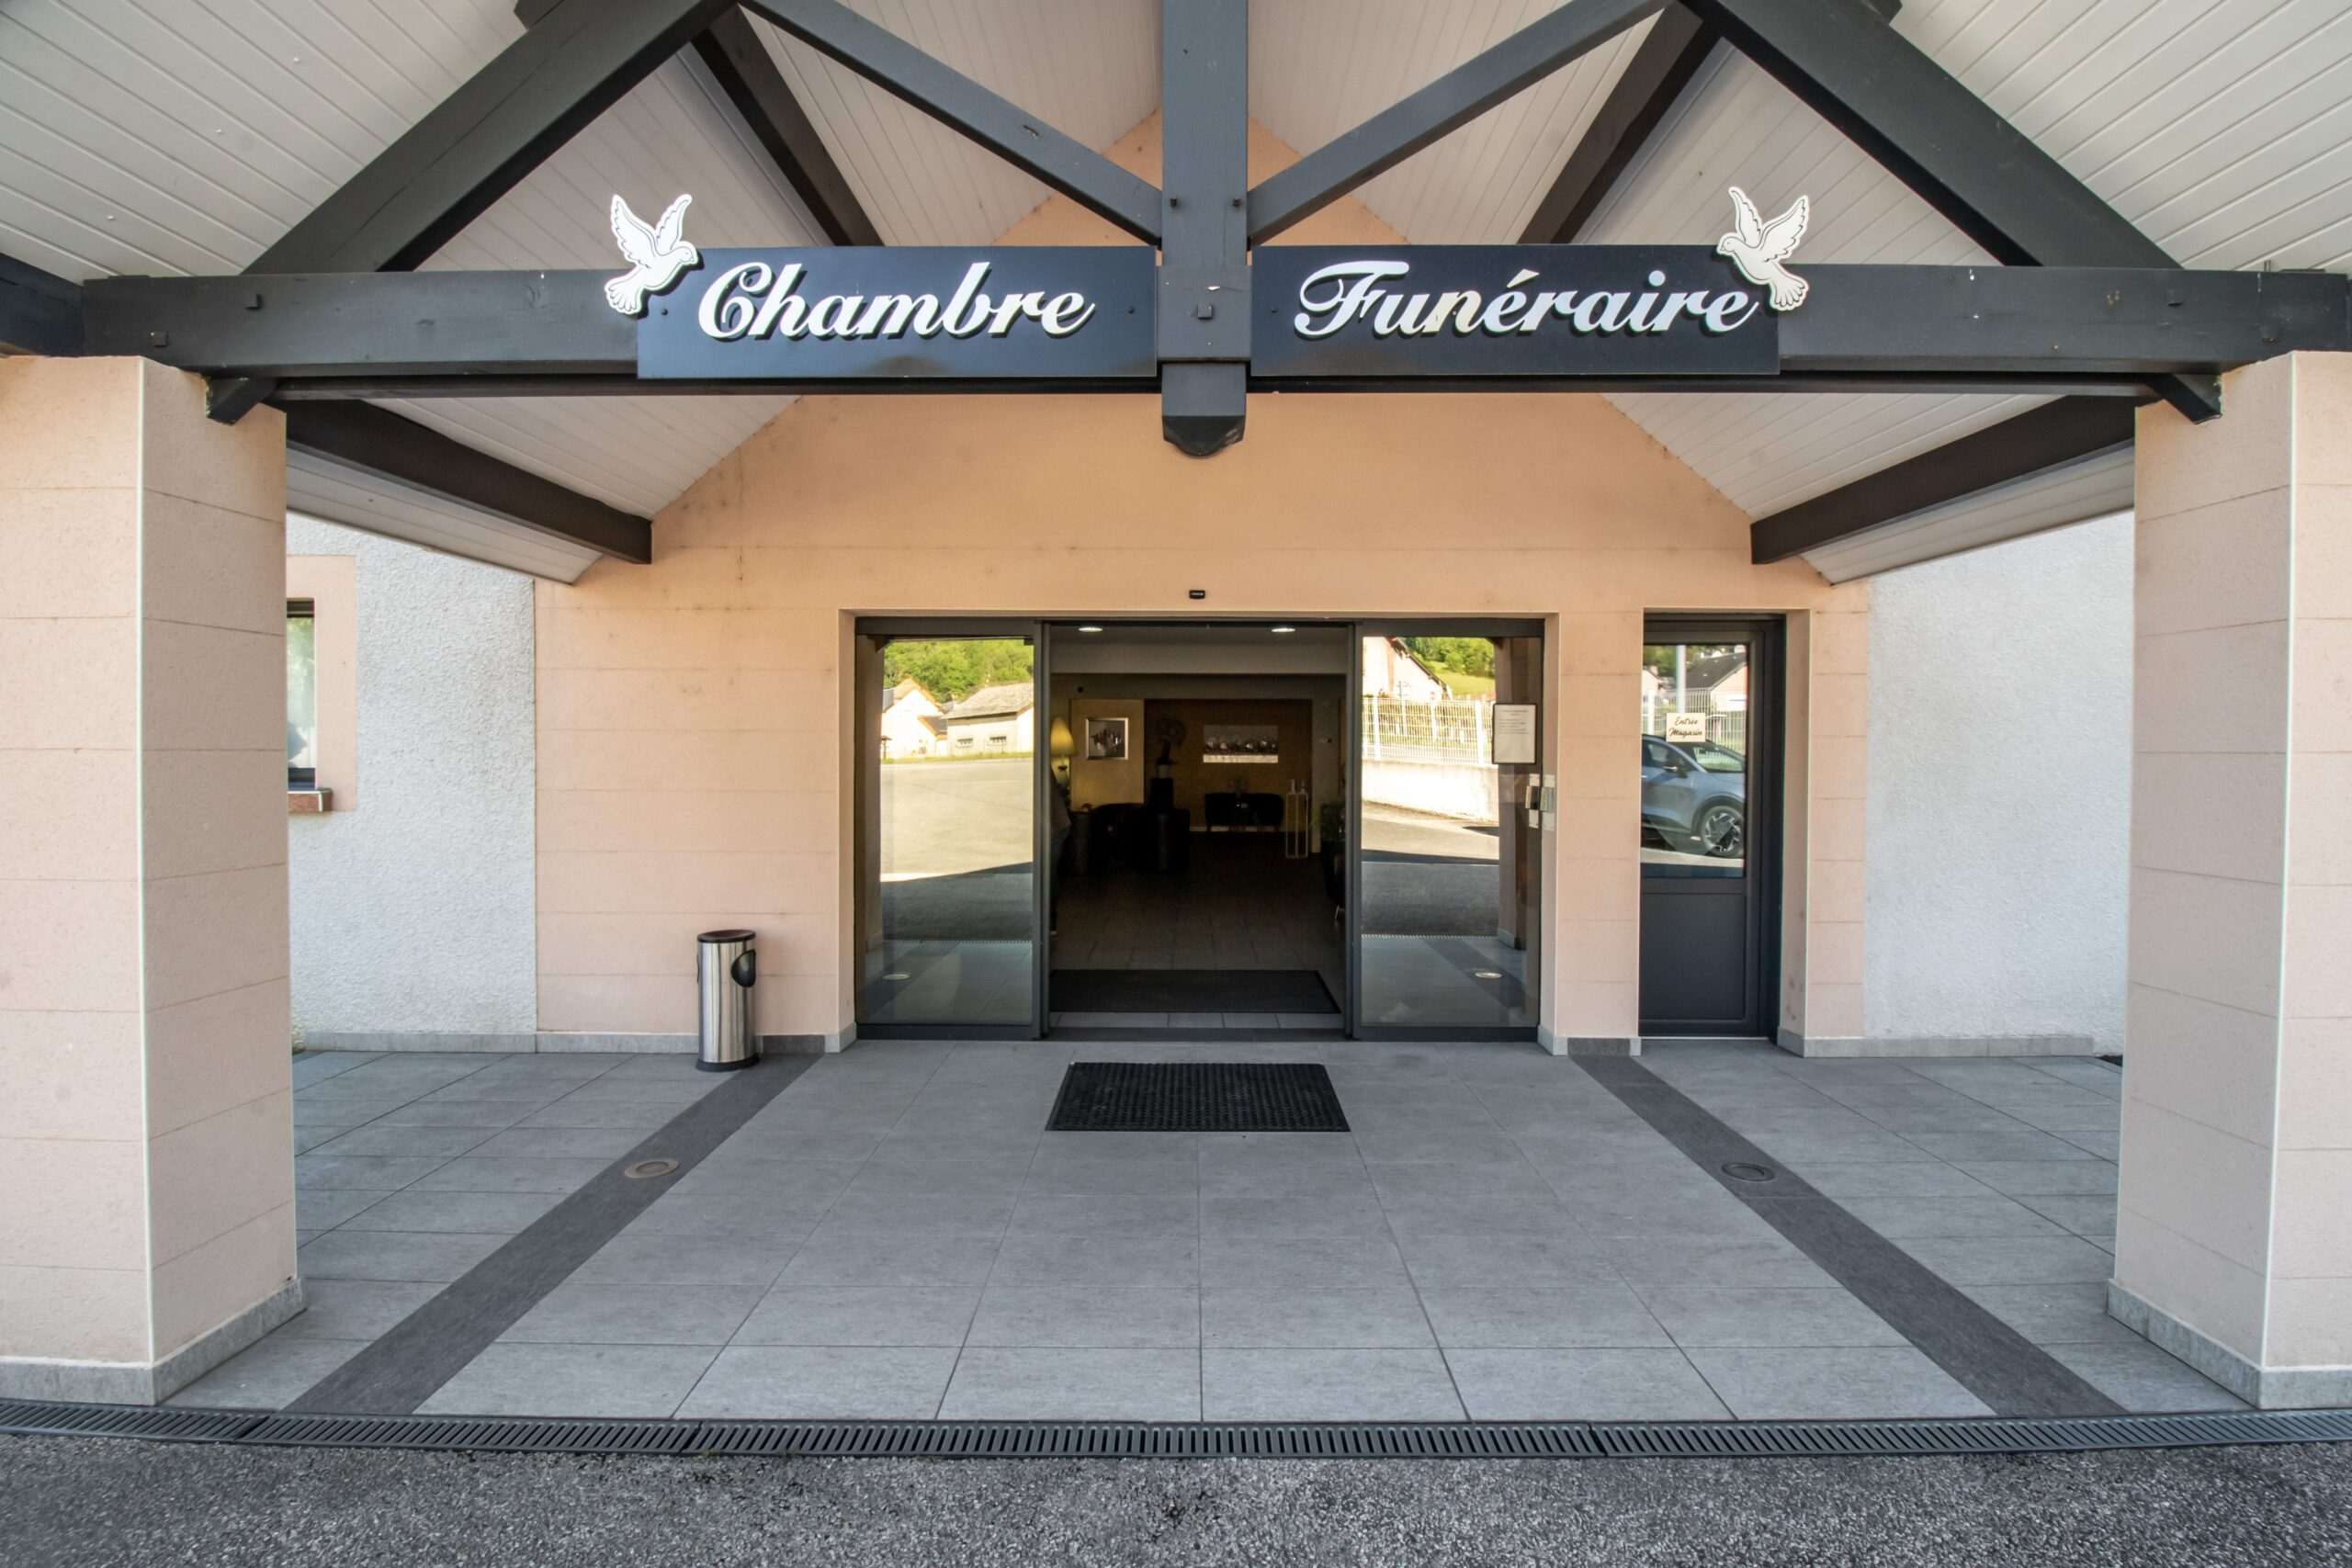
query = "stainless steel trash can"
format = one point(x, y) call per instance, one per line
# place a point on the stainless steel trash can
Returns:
point(729, 966)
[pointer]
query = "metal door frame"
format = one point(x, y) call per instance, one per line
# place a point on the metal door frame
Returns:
point(952, 628)
point(1766, 638)
point(1426, 626)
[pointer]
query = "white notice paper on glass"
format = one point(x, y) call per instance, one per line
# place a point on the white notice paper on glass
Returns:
point(1514, 732)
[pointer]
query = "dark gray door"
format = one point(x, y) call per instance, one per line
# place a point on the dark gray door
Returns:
point(1710, 825)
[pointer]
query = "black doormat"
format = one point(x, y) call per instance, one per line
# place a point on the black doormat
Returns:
point(1190, 990)
point(1197, 1096)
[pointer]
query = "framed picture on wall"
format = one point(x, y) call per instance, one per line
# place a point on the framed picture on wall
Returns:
point(1245, 743)
point(1106, 740)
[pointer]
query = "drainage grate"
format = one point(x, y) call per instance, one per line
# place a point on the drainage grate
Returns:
point(1027, 1439)
point(1197, 1096)
point(32, 1418)
point(1090, 1439)
point(480, 1434)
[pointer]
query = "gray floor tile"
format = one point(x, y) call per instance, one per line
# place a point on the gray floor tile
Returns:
point(575, 1313)
point(2022, 1178)
point(1990, 1216)
point(1089, 1173)
point(1093, 1259)
point(1116, 1213)
point(796, 1142)
point(1647, 1264)
point(2107, 1146)
point(2055, 1315)
point(1060, 1316)
point(355, 1309)
point(2012, 1261)
point(902, 1383)
point(1080, 1384)
point(374, 1173)
point(1306, 1319)
point(1326, 1385)
point(1303, 1263)
point(411, 1142)
point(1917, 1179)
point(2086, 1214)
point(849, 1259)
point(883, 1315)
point(882, 1174)
point(1431, 1179)
point(794, 1180)
point(1710, 1317)
point(952, 1214)
point(266, 1375)
point(572, 1379)
point(631, 1113)
point(394, 1255)
point(1339, 1214)
point(1582, 1385)
point(1488, 1145)
point(486, 1213)
point(2144, 1378)
point(575, 1143)
point(1534, 1317)
point(675, 1257)
point(489, 1115)
point(323, 1208)
point(1960, 1148)
point(474, 1173)
point(758, 1219)
point(1299, 1181)
point(1469, 1262)
point(1812, 1385)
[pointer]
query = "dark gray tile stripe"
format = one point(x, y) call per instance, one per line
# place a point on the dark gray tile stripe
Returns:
point(1985, 1356)
point(402, 1369)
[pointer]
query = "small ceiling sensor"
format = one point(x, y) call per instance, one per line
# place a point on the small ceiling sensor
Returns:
point(1090, 630)
point(1282, 631)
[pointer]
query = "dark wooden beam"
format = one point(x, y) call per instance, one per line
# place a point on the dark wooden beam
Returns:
point(1204, 318)
point(1981, 173)
point(1022, 139)
point(474, 146)
point(1455, 100)
point(378, 441)
point(1670, 54)
point(2036, 442)
point(39, 311)
point(1677, 44)
point(747, 74)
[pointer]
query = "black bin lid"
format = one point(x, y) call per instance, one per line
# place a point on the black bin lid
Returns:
point(724, 936)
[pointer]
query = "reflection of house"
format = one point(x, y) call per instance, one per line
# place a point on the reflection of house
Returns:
point(1714, 684)
point(1392, 669)
point(994, 718)
point(912, 724)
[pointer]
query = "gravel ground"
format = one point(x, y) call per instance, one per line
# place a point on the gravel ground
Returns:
point(107, 1502)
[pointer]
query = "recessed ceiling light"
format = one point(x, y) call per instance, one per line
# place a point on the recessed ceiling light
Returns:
point(897, 975)
point(1090, 630)
point(1282, 631)
point(1486, 974)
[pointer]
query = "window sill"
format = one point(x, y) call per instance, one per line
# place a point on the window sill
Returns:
point(309, 802)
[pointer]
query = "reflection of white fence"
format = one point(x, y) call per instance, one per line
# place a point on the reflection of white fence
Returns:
point(1441, 730)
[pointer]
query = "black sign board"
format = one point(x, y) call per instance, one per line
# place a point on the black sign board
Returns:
point(1348, 313)
point(905, 313)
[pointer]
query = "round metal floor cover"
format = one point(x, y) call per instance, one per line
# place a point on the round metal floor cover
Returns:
point(645, 1169)
point(1745, 1171)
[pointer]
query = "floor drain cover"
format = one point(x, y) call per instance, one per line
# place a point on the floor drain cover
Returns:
point(1197, 1096)
point(1745, 1171)
point(645, 1169)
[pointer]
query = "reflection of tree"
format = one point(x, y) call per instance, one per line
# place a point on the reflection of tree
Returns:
point(951, 671)
point(1658, 657)
point(1464, 655)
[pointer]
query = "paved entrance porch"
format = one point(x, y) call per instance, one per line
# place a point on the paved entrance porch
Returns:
point(1502, 1236)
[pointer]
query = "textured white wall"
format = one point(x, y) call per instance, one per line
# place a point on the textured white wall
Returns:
point(414, 912)
point(2000, 790)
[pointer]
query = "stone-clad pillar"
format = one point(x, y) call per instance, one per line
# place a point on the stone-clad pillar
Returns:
point(2233, 1242)
point(146, 1150)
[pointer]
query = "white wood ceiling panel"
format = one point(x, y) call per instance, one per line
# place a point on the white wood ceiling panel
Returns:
point(1089, 67)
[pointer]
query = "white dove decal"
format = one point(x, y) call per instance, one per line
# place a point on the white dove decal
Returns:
point(655, 255)
point(1758, 248)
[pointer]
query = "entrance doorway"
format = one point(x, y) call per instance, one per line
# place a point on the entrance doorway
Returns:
point(1309, 828)
point(1710, 825)
point(1197, 775)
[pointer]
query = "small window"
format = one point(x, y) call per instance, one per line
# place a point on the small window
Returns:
point(301, 697)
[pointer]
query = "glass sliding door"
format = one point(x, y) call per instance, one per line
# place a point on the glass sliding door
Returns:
point(947, 790)
point(1448, 878)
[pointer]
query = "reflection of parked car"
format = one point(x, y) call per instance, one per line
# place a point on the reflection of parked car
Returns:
point(1695, 797)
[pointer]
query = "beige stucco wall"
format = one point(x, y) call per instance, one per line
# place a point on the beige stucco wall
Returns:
point(693, 764)
point(146, 1146)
